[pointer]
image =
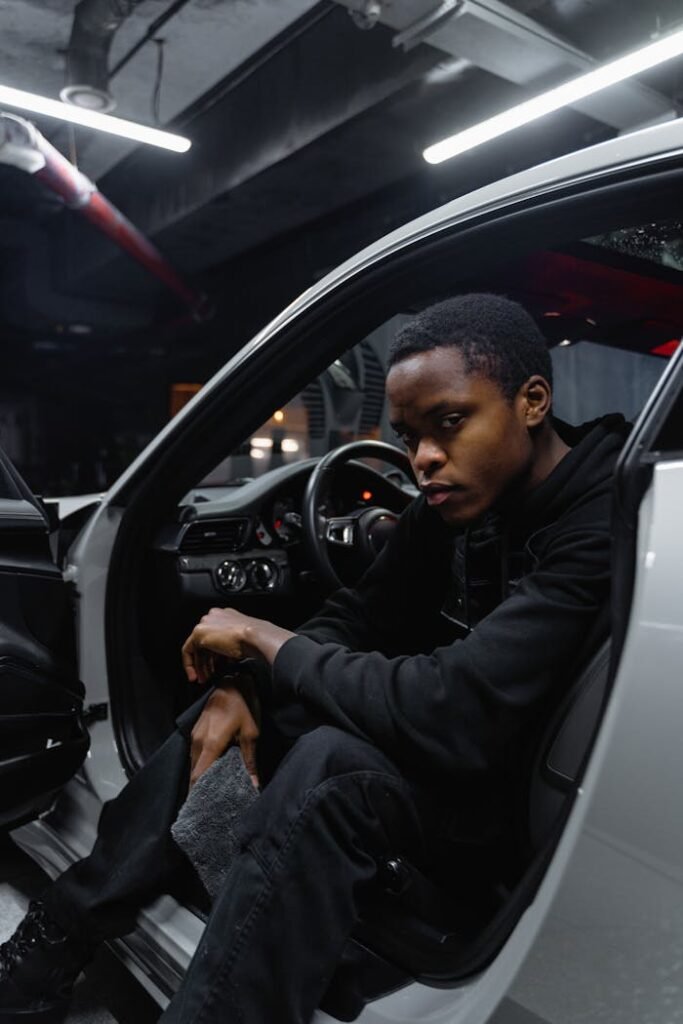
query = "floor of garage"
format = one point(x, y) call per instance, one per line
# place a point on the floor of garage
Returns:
point(106, 993)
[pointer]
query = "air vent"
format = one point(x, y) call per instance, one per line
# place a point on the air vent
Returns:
point(209, 535)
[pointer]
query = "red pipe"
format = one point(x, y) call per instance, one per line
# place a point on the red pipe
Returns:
point(22, 145)
point(100, 212)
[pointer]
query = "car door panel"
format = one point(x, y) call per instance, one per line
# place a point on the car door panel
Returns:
point(42, 737)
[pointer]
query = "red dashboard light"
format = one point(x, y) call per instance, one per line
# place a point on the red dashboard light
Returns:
point(366, 495)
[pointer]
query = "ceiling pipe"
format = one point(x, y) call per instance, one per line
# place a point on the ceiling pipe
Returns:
point(22, 146)
point(149, 35)
point(87, 57)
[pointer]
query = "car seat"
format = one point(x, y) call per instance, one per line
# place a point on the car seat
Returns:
point(413, 932)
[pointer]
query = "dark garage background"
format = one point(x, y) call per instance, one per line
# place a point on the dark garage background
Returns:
point(308, 122)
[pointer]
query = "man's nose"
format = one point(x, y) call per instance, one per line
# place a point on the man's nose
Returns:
point(428, 456)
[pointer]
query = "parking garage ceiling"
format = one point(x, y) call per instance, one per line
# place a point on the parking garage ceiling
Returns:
point(308, 121)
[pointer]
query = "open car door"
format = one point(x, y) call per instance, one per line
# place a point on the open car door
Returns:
point(43, 740)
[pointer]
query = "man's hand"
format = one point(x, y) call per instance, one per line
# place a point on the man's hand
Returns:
point(220, 631)
point(226, 632)
point(225, 719)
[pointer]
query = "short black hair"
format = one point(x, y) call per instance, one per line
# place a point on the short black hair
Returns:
point(496, 337)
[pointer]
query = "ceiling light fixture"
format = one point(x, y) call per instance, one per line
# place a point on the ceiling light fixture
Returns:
point(92, 119)
point(563, 95)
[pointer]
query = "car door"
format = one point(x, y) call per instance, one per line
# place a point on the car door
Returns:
point(42, 736)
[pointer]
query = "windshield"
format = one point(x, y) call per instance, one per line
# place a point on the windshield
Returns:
point(345, 403)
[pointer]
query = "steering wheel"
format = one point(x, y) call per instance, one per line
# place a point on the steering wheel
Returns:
point(367, 529)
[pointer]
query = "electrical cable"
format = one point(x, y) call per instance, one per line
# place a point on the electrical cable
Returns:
point(156, 92)
point(152, 30)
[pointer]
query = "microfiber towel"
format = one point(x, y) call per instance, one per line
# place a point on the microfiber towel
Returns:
point(208, 825)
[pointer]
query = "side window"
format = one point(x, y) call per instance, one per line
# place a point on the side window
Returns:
point(345, 403)
point(592, 379)
point(620, 318)
point(11, 486)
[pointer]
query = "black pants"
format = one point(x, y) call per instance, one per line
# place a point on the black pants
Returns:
point(332, 809)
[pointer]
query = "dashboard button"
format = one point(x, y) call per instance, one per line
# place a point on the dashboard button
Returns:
point(263, 574)
point(262, 535)
point(231, 576)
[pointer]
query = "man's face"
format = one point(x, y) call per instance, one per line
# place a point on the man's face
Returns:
point(467, 442)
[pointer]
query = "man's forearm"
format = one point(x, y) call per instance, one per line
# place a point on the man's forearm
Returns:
point(265, 638)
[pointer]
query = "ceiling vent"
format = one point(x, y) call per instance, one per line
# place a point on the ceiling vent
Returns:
point(88, 97)
point(87, 57)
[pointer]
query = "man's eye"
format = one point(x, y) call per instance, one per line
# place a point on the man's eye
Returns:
point(454, 420)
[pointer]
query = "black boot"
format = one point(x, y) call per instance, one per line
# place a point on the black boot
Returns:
point(38, 968)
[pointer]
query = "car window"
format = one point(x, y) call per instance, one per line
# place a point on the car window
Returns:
point(592, 379)
point(610, 306)
point(344, 403)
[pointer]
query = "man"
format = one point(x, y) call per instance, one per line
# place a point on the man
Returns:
point(399, 720)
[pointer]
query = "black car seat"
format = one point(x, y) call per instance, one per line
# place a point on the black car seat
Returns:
point(412, 932)
point(565, 749)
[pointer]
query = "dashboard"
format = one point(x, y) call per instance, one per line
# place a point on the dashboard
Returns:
point(247, 541)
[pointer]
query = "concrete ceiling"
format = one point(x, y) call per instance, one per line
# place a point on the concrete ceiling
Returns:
point(205, 41)
point(502, 39)
point(307, 131)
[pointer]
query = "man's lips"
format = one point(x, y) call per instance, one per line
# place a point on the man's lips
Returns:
point(436, 494)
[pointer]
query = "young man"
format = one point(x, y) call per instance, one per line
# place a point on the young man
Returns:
point(398, 721)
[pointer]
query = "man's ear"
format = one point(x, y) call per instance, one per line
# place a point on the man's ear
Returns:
point(538, 399)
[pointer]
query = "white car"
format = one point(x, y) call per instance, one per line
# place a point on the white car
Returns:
point(215, 511)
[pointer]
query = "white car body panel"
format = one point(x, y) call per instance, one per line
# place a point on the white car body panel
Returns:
point(89, 567)
point(611, 948)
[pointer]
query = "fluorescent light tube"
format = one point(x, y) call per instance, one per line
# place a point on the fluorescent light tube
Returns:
point(92, 119)
point(561, 96)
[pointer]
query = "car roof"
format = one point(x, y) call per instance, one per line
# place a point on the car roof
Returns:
point(593, 161)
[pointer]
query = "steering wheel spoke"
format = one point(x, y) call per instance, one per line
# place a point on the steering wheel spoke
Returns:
point(341, 530)
point(362, 533)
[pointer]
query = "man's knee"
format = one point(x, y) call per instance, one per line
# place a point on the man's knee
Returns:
point(328, 752)
point(333, 784)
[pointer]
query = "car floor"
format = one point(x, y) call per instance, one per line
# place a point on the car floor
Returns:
point(106, 993)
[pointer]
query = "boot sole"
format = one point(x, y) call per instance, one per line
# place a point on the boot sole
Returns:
point(51, 1015)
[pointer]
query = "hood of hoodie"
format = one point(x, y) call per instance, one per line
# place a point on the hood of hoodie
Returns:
point(587, 467)
point(489, 557)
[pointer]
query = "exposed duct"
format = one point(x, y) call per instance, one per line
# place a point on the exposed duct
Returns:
point(293, 93)
point(503, 41)
point(87, 60)
point(22, 146)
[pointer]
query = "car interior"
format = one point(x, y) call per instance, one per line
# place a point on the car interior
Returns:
point(234, 519)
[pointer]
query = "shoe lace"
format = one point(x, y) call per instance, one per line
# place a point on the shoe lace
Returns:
point(31, 930)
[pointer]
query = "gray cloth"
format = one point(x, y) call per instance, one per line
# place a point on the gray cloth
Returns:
point(208, 824)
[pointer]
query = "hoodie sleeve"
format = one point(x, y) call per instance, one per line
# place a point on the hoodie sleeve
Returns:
point(457, 709)
point(378, 613)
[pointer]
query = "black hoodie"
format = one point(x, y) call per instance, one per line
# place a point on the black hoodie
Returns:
point(451, 650)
